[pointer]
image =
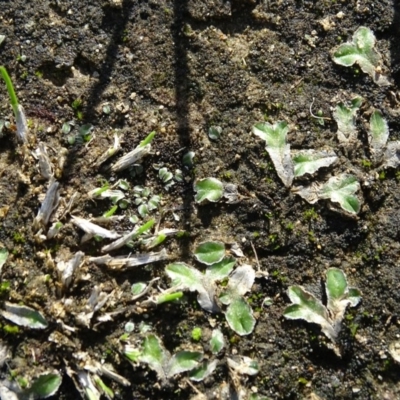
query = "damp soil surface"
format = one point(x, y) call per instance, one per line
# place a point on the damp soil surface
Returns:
point(179, 67)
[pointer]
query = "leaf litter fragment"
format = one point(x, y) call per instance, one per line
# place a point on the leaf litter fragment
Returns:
point(143, 149)
point(92, 229)
point(130, 261)
point(49, 205)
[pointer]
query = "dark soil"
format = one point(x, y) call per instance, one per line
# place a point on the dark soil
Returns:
point(179, 67)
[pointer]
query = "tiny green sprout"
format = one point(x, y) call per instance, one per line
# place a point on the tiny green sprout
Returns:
point(11, 329)
point(4, 287)
point(148, 139)
point(22, 125)
point(76, 104)
point(303, 381)
point(22, 381)
point(110, 212)
point(367, 164)
point(39, 74)
point(18, 237)
point(361, 51)
point(169, 297)
point(188, 159)
point(196, 334)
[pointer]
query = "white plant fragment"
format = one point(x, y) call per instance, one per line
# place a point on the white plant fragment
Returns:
point(243, 365)
point(130, 261)
point(310, 161)
point(131, 158)
point(45, 166)
point(54, 229)
point(110, 152)
point(96, 301)
point(392, 155)
point(49, 205)
point(66, 269)
point(3, 257)
point(277, 147)
point(22, 124)
point(92, 229)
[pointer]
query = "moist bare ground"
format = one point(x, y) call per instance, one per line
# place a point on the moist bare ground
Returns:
point(179, 67)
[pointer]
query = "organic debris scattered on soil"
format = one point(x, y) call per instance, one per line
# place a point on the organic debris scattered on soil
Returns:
point(148, 238)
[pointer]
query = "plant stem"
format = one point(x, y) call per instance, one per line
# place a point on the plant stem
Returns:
point(10, 86)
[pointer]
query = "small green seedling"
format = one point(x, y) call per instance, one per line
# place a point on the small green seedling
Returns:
point(277, 147)
point(24, 316)
point(210, 252)
point(339, 296)
point(384, 152)
point(186, 277)
point(239, 314)
point(345, 117)
point(338, 189)
point(205, 369)
point(217, 341)
point(20, 119)
point(210, 189)
point(214, 132)
point(341, 189)
point(154, 354)
point(361, 51)
point(196, 334)
point(44, 386)
point(310, 161)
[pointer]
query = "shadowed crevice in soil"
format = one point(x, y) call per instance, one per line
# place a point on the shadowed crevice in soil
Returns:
point(395, 43)
point(182, 81)
point(115, 20)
